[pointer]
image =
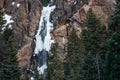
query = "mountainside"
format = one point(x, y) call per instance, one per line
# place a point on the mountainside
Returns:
point(67, 15)
point(101, 8)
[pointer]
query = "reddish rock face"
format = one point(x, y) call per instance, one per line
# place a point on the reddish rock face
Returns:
point(1, 3)
point(101, 8)
point(24, 54)
point(65, 9)
point(26, 18)
point(26, 15)
point(60, 34)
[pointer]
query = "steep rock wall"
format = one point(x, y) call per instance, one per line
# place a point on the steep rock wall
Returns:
point(65, 9)
point(26, 21)
point(101, 8)
point(67, 15)
point(26, 15)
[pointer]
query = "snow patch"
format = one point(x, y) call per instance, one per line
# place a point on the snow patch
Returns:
point(75, 2)
point(41, 69)
point(8, 19)
point(10, 26)
point(32, 78)
point(63, 40)
point(18, 5)
point(13, 3)
point(3, 29)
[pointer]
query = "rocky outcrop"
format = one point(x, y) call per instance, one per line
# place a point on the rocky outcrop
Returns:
point(26, 18)
point(60, 34)
point(65, 9)
point(24, 55)
point(26, 14)
point(101, 8)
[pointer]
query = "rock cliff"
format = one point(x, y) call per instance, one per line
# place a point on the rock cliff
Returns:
point(75, 19)
point(67, 15)
point(65, 9)
point(26, 15)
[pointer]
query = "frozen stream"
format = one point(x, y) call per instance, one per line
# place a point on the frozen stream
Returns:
point(43, 39)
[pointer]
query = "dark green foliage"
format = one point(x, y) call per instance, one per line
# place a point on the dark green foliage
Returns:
point(114, 24)
point(45, 2)
point(55, 66)
point(94, 38)
point(2, 21)
point(75, 57)
point(9, 67)
point(113, 58)
point(113, 53)
point(90, 67)
point(8, 62)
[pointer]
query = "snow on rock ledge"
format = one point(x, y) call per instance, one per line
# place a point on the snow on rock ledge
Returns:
point(9, 21)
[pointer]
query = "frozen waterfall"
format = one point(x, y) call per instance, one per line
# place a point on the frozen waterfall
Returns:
point(43, 40)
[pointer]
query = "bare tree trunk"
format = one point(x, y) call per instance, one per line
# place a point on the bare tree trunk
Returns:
point(98, 66)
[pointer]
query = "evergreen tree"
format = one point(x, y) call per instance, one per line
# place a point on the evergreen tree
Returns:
point(114, 24)
point(45, 2)
point(75, 57)
point(10, 66)
point(113, 58)
point(55, 66)
point(8, 62)
point(94, 38)
point(2, 21)
point(113, 54)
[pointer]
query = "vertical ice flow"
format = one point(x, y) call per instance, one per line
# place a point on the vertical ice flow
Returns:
point(43, 39)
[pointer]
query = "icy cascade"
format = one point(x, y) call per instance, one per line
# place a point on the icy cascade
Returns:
point(43, 39)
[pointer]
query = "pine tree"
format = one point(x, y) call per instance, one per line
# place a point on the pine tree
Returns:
point(55, 66)
point(75, 57)
point(8, 62)
point(114, 23)
point(94, 39)
point(45, 2)
point(10, 66)
point(113, 53)
point(2, 21)
point(113, 58)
